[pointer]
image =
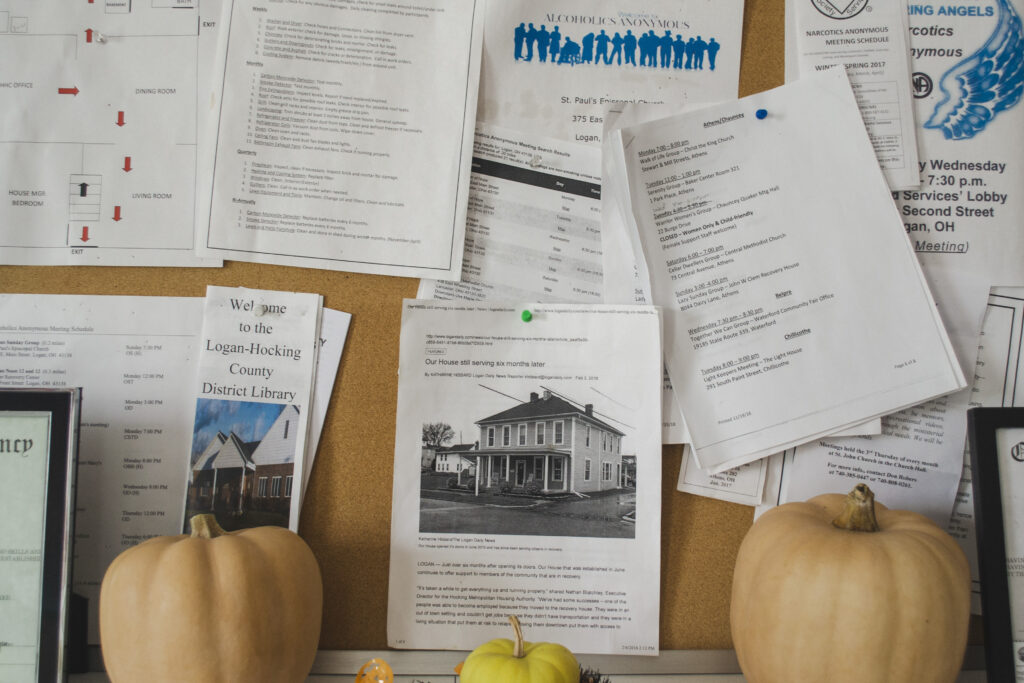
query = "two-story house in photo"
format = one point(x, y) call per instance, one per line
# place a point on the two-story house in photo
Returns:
point(548, 445)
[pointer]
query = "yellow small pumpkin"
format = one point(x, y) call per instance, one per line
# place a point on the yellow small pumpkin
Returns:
point(213, 607)
point(835, 590)
point(507, 661)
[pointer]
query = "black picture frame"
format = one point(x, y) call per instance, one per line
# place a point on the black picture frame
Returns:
point(63, 407)
point(983, 425)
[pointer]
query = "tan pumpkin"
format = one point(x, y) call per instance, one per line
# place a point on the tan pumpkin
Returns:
point(213, 607)
point(834, 590)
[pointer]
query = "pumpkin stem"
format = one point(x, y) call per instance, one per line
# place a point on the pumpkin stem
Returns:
point(518, 649)
point(858, 512)
point(205, 526)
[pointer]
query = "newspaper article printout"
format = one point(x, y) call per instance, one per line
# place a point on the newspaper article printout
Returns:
point(256, 365)
point(527, 476)
point(363, 113)
point(100, 119)
point(712, 240)
point(533, 226)
point(871, 43)
point(552, 68)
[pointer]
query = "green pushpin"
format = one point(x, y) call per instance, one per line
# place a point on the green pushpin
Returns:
point(527, 316)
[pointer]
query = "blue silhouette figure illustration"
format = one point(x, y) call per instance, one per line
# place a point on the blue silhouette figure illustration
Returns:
point(629, 47)
point(665, 43)
point(713, 47)
point(556, 38)
point(644, 43)
point(588, 48)
point(531, 38)
point(616, 54)
point(543, 36)
point(698, 53)
point(690, 49)
point(601, 41)
point(678, 52)
point(652, 49)
point(520, 38)
point(987, 82)
point(570, 52)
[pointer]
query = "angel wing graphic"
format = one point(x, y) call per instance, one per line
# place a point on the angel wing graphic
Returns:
point(983, 84)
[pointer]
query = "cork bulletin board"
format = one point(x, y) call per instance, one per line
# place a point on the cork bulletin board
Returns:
point(346, 516)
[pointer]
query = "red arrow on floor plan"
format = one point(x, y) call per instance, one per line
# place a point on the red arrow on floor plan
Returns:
point(67, 91)
point(117, 213)
point(85, 233)
point(120, 118)
point(127, 164)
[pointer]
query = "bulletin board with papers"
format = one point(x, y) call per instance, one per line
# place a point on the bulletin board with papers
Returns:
point(346, 514)
point(347, 509)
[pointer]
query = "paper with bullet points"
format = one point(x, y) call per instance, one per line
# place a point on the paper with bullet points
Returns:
point(768, 266)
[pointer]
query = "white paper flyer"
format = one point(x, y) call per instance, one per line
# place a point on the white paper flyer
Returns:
point(100, 112)
point(869, 40)
point(257, 358)
point(771, 264)
point(552, 68)
point(345, 134)
point(527, 476)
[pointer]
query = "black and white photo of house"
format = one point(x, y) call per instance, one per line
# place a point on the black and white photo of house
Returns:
point(547, 465)
point(243, 463)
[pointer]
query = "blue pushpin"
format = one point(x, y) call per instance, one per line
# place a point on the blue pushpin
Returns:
point(527, 316)
point(761, 113)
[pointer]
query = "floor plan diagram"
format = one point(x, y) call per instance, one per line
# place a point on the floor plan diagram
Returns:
point(98, 143)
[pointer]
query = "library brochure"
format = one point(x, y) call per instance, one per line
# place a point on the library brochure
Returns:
point(257, 357)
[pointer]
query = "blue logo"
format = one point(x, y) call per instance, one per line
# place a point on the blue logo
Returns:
point(645, 50)
point(985, 83)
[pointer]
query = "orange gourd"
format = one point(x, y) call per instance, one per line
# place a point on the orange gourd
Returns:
point(213, 607)
point(836, 590)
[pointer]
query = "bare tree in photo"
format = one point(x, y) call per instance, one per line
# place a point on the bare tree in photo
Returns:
point(437, 434)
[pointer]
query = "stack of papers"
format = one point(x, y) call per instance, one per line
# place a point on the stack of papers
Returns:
point(804, 348)
point(138, 361)
point(615, 253)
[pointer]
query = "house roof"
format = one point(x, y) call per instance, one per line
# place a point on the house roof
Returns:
point(456, 447)
point(244, 449)
point(548, 405)
point(204, 460)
